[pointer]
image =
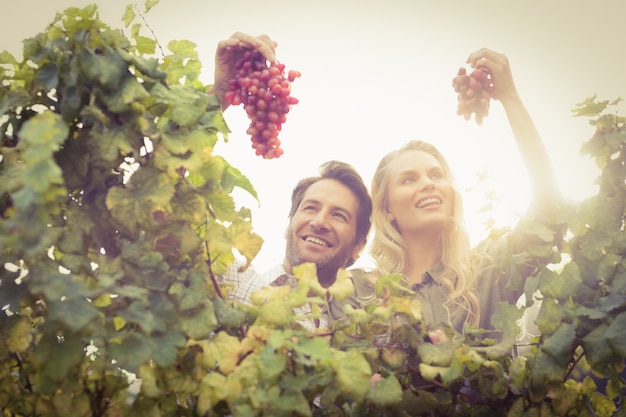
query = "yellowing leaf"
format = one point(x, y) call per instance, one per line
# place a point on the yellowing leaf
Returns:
point(129, 15)
point(357, 315)
point(409, 306)
point(19, 336)
point(118, 323)
point(353, 373)
point(244, 239)
point(343, 287)
point(215, 387)
point(386, 392)
point(393, 357)
point(255, 339)
point(102, 300)
point(275, 312)
point(222, 352)
point(149, 386)
point(269, 293)
point(149, 4)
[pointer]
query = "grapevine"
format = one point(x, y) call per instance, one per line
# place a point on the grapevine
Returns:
point(474, 93)
point(265, 93)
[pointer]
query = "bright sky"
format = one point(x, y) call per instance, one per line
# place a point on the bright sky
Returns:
point(376, 74)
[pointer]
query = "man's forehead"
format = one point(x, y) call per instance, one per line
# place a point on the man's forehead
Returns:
point(332, 192)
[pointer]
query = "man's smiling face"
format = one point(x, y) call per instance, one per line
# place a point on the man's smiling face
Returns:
point(323, 229)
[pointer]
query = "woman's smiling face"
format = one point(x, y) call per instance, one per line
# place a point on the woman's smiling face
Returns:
point(419, 195)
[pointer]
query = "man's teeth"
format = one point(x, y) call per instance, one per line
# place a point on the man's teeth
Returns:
point(316, 241)
point(428, 201)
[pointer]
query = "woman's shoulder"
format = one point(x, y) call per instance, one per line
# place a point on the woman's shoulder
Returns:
point(364, 281)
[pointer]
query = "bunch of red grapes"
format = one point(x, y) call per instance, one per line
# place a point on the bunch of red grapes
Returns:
point(265, 93)
point(474, 93)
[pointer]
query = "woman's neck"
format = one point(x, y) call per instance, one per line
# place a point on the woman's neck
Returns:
point(421, 255)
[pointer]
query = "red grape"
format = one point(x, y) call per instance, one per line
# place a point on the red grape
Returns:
point(474, 93)
point(265, 93)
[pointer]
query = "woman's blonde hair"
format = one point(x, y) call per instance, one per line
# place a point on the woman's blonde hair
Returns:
point(387, 247)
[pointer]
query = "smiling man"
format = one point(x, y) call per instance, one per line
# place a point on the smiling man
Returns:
point(329, 222)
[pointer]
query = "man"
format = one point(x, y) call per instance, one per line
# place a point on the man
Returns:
point(329, 216)
point(329, 222)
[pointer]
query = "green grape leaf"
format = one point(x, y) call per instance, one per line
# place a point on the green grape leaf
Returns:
point(227, 315)
point(104, 66)
point(190, 292)
point(140, 314)
point(109, 143)
point(165, 348)
point(288, 402)
point(313, 351)
point(55, 360)
point(589, 107)
point(187, 106)
point(616, 335)
point(273, 364)
point(148, 191)
point(40, 137)
point(131, 351)
point(558, 345)
point(200, 324)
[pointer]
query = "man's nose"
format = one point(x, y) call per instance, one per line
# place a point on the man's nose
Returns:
point(320, 220)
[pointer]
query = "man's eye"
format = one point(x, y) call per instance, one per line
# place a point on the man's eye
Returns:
point(341, 216)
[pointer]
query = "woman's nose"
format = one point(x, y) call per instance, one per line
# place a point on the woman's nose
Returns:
point(427, 183)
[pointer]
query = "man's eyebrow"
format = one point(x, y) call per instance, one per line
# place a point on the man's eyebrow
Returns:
point(314, 201)
point(343, 210)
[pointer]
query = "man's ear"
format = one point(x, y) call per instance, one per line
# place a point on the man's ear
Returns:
point(358, 248)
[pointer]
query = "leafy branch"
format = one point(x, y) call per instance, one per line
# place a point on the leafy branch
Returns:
point(116, 218)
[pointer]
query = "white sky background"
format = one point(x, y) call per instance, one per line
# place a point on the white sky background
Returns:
point(376, 74)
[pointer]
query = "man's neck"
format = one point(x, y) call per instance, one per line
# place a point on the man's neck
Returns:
point(326, 280)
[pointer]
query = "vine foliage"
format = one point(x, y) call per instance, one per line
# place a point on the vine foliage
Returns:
point(116, 218)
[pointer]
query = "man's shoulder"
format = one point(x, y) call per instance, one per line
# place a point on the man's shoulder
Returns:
point(272, 274)
point(239, 271)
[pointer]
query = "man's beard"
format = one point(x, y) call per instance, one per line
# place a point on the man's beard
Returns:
point(326, 268)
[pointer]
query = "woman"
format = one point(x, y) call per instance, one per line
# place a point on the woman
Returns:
point(418, 223)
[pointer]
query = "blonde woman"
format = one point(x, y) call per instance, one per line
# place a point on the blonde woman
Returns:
point(418, 224)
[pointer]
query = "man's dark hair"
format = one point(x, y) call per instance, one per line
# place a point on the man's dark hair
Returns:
point(348, 176)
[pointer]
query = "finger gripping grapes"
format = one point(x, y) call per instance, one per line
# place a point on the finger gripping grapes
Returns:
point(265, 93)
point(474, 93)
